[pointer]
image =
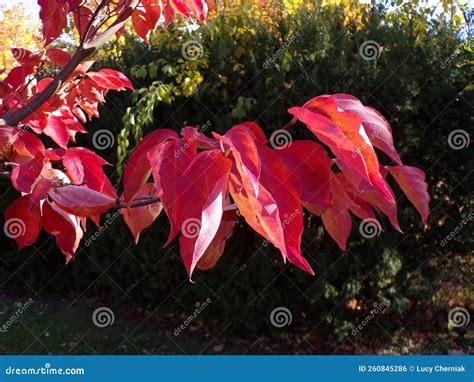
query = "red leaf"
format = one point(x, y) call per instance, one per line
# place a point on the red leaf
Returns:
point(84, 166)
point(138, 168)
point(412, 182)
point(200, 203)
point(57, 130)
point(140, 24)
point(168, 161)
point(17, 77)
point(140, 218)
point(337, 219)
point(344, 133)
point(247, 159)
point(311, 169)
point(111, 79)
point(54, 18)
point(82, 17)
point(65, 227)
point(81, 201)
point(24, 176)
point(216, 248)
point(180, 7)
point(25, 57)
point(23, 221)
point(376, 126)
point(277, 178)
point(58, 57)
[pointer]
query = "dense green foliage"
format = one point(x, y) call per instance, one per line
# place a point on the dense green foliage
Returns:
point(420, 82)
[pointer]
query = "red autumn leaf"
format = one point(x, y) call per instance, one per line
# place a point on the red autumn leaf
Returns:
point(138, 167)
point(56, 129)
point(311, 169)
point(277, 177)
point(23, 221)
point(58, 57)
point(82, 17)
point(140, 218)
point(84, 166)
point(180, 7)
point(140, 24)
point(200, 200)
point(25, 57)
point(54, 18)
point(24, 176)
point(337, 218)
point(81, 201)
point(350, 125)
point(412, 182)
point(376, 126)
point(247, 159)
point(65, 227)
point(216, 248)
point(111, 79)
point(168, 161)
point(17, 77)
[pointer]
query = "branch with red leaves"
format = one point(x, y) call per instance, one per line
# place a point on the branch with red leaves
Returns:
point(203, 184)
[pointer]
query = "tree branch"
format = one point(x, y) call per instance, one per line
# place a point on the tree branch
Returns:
point(12, 118)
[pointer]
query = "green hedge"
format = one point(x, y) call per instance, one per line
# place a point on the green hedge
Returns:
point(419, 82)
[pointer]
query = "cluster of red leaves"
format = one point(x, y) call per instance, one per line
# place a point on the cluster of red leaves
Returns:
point(202, 183)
